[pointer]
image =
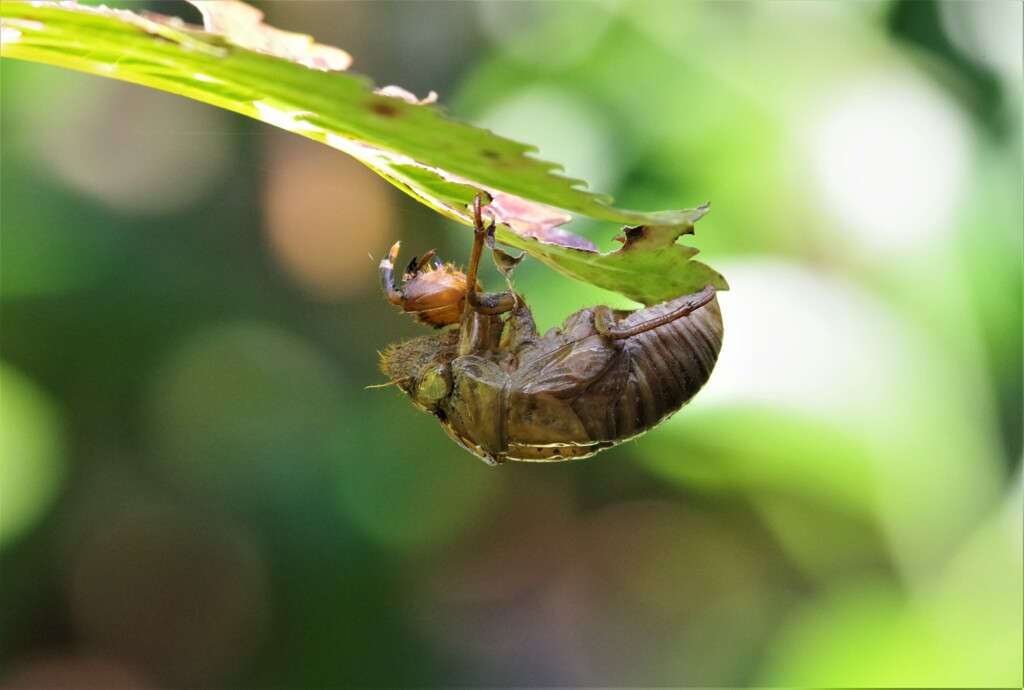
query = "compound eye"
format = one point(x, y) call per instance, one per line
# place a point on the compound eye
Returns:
point(434, 385)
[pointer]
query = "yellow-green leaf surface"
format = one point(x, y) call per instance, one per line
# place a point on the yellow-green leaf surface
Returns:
point(238, 63)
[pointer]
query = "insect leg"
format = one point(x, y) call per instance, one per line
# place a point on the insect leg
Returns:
point(520, 331)
point(387, 276)
point(416, 266)
point(484, 302)
point(604, 319)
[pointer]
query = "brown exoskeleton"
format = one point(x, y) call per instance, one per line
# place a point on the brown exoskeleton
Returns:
point(435, 294)
point(504, 392)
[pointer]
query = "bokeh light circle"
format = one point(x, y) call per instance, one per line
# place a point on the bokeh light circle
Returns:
point(891, 157)
point(32, 462)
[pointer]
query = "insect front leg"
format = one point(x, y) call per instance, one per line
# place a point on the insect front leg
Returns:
point(606, 324)
point(484, 302)
point(387, 277)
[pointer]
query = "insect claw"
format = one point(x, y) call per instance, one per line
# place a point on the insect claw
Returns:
point(436, 298)
point(424, 261)
point(393, 254)
point(416, 265)
point(479, 229)
point(387, 276)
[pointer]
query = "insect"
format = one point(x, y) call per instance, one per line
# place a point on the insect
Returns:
point(503, 391)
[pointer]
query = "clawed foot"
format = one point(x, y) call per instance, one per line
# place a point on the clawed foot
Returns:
point(482, 233)
point(486, 302)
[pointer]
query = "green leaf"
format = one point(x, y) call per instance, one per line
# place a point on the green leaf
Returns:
point(238, 63)
point(648, 267)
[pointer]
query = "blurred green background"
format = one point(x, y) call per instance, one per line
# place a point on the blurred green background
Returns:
point(197, 490)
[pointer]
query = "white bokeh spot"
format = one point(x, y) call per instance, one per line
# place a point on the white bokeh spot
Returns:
point(891, 159)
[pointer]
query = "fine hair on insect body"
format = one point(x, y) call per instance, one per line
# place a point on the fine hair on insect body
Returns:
point(503, 391)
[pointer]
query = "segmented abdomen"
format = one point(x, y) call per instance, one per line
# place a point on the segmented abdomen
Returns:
point(663, 369)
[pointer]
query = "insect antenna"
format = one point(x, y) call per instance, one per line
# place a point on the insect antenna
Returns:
point(394, 382)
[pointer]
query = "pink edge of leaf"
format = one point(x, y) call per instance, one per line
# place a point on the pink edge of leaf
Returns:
point(242, 25)
point(532, 220)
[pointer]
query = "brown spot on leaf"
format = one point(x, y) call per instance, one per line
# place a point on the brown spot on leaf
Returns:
point(488, 153)
point(384, 109)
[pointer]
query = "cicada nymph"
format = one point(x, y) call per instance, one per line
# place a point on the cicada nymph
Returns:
point(504, 392)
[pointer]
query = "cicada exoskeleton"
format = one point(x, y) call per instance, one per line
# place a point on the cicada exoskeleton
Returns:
point(505, 392)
